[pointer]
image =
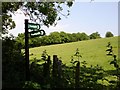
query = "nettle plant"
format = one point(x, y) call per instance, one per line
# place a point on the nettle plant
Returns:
point(115, 63)
point(76, 57)
point(84, 76)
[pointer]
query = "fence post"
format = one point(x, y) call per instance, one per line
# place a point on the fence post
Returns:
point(54, 72)
point(77, 75)
point(59, 68)
point(60, 83)
point(48, 66)
point(46, 70)
point(57, 73)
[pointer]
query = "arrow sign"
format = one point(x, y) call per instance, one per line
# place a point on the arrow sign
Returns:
point(37, 33)
point(33, 26)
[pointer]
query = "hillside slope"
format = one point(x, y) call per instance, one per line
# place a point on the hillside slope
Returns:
point(92, 51)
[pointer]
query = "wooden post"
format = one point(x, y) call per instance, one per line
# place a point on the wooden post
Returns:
point(46, 70)
point(60, 83)
point(54, 72)
point(48, 66)
point(77, 75)
point(59, 69)
point(27, 51)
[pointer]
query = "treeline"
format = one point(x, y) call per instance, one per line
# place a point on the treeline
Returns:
point(55, 38)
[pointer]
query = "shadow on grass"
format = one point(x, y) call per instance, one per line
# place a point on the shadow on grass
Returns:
point(89, 77)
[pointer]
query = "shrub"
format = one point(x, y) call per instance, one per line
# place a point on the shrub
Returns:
point(109, 34)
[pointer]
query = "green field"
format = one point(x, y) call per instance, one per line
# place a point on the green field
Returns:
point(92, 51)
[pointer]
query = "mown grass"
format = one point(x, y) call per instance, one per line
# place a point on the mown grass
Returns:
point(92, 51)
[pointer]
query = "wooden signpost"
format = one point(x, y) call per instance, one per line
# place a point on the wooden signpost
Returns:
point(34, 32)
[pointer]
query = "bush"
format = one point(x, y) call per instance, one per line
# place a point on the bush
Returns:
point(109, 34)
point(13, 64)
point(95, 35)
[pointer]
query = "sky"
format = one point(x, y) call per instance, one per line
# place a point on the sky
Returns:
point(84, 17)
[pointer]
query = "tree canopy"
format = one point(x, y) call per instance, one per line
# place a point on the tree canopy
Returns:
point(47, 13)
point(109, 34)
point(95, 35)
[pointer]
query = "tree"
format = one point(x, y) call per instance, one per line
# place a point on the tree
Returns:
point(73, 37)
point(47, 13)
point(13, 62)
point(64, 37)
point(84, 36)
point(109, 34)
point(20, 39)
point(55, 38)
point(7, 9)
point(95, 35)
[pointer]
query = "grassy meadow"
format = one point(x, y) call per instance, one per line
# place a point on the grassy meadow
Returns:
point(92, 51)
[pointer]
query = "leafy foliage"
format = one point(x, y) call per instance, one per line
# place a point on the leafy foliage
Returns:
point(53, 38)
point(47, 13)
point(95, 35)
point(44, 55)
point(31, 85)
point(7, 9)
point(109, 34)
point(12, 64)
point(116, 65)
